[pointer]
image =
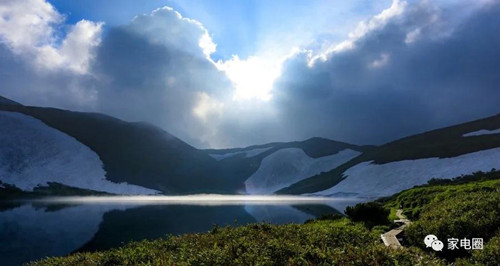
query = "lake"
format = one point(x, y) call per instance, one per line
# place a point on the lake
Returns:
point(33, 229)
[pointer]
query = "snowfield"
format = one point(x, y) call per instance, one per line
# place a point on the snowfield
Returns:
point(482, 132)
point(378, 180)
point(247, 154)
point(287, 166)
point(32, 154)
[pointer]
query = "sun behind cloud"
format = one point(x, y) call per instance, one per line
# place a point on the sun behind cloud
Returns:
point(252, 78)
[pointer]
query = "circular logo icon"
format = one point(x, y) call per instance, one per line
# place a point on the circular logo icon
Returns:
point(429, 239)
point(437, 245)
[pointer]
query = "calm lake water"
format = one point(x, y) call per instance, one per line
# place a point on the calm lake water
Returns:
point(30, 230)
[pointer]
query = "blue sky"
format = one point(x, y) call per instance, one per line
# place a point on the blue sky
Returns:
point(242, 28)
point(225, 73)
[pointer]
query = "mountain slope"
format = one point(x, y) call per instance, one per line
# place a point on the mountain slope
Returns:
point(447, 142)
point(142, 155)
point(379, 180)
point(33, 154)
point(290, 165)
point(137, 153)
point(6, 101)
point(269, 167)
point(313, 147)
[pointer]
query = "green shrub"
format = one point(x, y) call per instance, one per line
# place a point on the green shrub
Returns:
point(330, 217)
point(370, 213)
point(469, 210)
point(489, 256)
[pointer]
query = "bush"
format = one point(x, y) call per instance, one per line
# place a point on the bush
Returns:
point(370, 213)
point(325, 217)
point(490, 255)
point(465, 215)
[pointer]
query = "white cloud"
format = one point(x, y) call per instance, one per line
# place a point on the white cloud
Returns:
point(28, 23)
point(29, 28)
point(379, 20)
point(75, 52)
point(159, 65)
point(165, 26)
point(76, 49)
point(382, 61)
point(252, 78)
point(207, 45)
point(376, 22)
point(207, 106)
point(412, 36)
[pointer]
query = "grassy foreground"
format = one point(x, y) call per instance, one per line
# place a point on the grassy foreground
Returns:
point(466, 207)
point(334, 242)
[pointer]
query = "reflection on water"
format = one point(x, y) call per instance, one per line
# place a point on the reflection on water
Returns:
point(277, 214)
point(31, 230)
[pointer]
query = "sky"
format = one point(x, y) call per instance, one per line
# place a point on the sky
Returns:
point(224, 73)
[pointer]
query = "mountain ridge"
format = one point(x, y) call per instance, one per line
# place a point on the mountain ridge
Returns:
point(445, 142)
point(137, 153)
point(142, 154)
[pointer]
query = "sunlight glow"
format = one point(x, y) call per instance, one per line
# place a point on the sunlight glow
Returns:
point(253, 78)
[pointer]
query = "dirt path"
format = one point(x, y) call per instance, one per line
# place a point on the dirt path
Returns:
point(390, 238)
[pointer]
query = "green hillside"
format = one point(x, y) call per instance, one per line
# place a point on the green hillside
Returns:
point(338, 242)
point(466, 207)
point(442, 143)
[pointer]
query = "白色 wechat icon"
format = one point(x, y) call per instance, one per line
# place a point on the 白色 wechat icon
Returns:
point(431, 241)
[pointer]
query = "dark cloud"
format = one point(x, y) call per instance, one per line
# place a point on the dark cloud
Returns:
point(154, 70)
point(20, 81)
point(439, 79)
point(424, 69)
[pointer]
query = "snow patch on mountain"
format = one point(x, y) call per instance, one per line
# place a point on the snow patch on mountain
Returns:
point(247, 154)
point(287, 166)
point(32, 154)
point(482, 132)
point(378, 180)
